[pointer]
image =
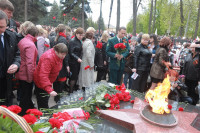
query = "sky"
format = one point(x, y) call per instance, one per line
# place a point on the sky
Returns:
point(126, 11)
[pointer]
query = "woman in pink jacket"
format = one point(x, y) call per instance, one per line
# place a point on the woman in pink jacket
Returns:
point(49, 66)
point(28, 53)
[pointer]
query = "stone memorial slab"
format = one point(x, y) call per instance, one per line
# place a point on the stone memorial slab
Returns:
point(131, 119)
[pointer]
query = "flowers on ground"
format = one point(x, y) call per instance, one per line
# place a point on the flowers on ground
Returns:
point(107, 98)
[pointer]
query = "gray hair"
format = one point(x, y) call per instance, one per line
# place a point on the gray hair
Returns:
point(3, 16)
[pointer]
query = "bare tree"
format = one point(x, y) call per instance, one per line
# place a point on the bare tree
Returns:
point(197, 22)
point(150, 17)
point(26, 10)
point(135, 9)
point(182, 18)
point(118, 15)
point(154, 16)
point(83, 13)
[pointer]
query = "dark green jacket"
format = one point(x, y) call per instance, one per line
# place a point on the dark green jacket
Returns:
point(110, 51)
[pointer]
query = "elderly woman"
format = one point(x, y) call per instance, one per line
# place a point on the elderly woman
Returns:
point(142, 57)
point(47, 70)
point(86, 76)
point(157, 72)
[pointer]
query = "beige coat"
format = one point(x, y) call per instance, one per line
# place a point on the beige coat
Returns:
point(86, 77)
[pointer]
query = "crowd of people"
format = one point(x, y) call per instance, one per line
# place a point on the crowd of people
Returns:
point(52, 60)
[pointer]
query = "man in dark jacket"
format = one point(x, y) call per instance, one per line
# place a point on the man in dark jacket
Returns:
point(9, 59)
point(191, 70)
point(8, 8)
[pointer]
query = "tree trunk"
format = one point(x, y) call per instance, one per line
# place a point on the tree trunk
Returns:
point(118, 15)
point(182, 18)
point(150, 17)
point(100, 19)
point(25, 10)
point(186, 28)
point(154, 17)
point(197, 22)
point(110, 13)
point(83, 13)
point(134, 16)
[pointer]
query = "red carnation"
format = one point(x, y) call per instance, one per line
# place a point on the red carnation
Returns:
point(76, 19)
point(129, 41)
point(97, 108)
point(180, 109)
point(72, 36)
point(54, 17)
point(73, 18)
point(81, 98)
point(111, 107)
point(46, 45)
point(169, 106)
point(39, 132)
point(54, 131)
point(55, 123)
point(87, 115)
point(64, 14)
point(107, 96)
point(118, 106)
point(30, 119)
point(99, 45)
point(35, 112)
point(14, 108)
point(132, 101)
point(87, 67)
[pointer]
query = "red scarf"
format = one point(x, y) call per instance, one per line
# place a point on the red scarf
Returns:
point(62, 34)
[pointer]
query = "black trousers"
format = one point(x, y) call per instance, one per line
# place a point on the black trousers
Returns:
point(42, 98)
point(26, 97)
point(101, 74)
point(191, 84)
point(140, 83)
point(3, 88)
point(58, 87)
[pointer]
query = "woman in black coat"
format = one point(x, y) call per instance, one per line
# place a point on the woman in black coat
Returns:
point(75, 52)
point(101, 59)
point(142, 57)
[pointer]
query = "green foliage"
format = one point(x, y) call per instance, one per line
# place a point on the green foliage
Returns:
point(9, 126)
point(91, 23)
point(37, 9)
point(99, 100)
point(73, 8)
point(100, 23)
point(168, 17)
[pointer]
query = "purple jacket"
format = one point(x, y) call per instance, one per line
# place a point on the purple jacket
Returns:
point(42, 45)
point(28, 53)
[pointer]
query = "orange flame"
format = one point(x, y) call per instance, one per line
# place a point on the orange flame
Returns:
point(158, 98)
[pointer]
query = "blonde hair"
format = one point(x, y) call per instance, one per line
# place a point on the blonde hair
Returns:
point(59, 28)
point(90, 29)
point(24, 26)
point(41, 31)
point(145, 36)
point(104, 37)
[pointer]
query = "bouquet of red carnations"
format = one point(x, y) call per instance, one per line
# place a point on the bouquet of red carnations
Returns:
point(99, 45)
point(120, 48)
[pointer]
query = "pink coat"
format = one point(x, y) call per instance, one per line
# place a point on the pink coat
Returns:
point(28, 53)
point(47, 70)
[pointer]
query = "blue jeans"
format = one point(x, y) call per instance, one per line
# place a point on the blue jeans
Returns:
point(127, 78)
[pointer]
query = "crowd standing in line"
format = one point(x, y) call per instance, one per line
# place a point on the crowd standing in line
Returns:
point(52, 60)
